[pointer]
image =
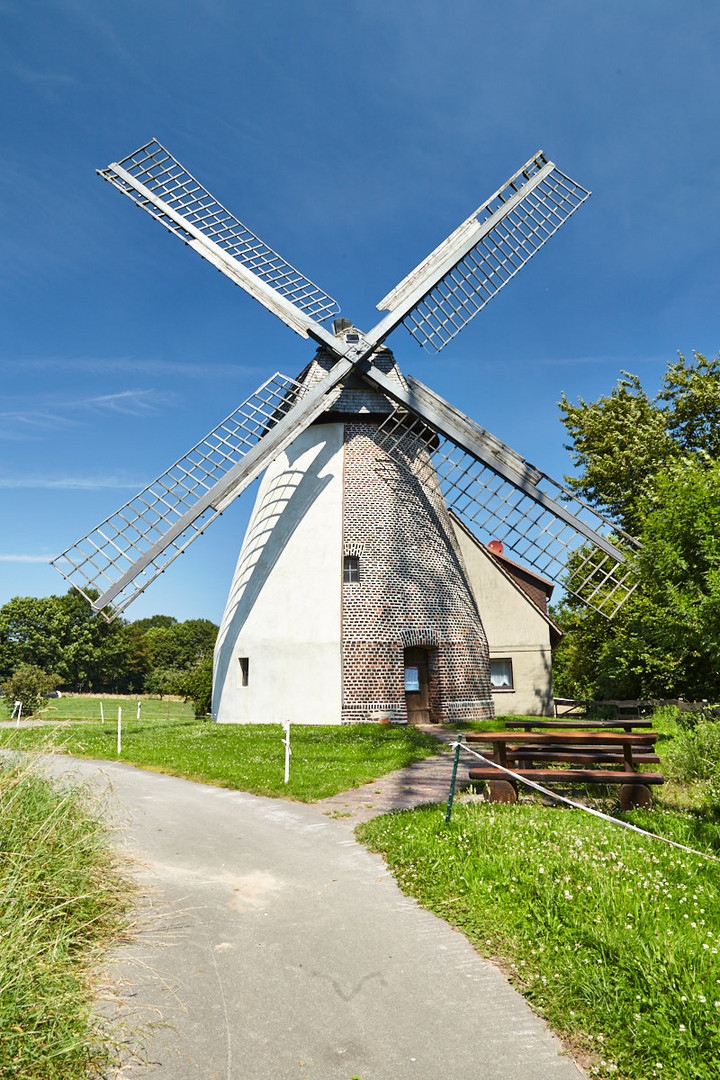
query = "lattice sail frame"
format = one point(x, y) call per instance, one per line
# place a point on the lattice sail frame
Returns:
point(178, 499)
point(157, 170)
point(492, 505)
point(511, 225)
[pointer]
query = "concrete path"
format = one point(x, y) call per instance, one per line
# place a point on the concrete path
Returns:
point(272, 946)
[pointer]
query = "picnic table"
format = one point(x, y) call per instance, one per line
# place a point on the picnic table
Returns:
point(526, 752)
point(627, 723)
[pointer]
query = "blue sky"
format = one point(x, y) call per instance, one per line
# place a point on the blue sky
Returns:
point(352, 137)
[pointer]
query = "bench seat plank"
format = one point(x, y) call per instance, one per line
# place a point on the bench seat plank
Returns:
point(570, 776)
point(577, 756)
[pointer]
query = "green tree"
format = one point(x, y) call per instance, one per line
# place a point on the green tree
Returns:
point(620, 443)
point(180, 645)
point(31, 630)
point(29, 684)
point(162, 681)
point(198, 686)
point(655, 465)
point(61, 634)
point(690, 396)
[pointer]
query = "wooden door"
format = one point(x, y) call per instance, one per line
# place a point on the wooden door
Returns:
point(417, 695)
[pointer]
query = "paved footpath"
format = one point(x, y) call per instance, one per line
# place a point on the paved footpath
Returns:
point(426, 781)
point(272, 946)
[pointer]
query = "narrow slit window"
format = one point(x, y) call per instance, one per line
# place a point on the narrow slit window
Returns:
point(244, 670)
point(351, 568)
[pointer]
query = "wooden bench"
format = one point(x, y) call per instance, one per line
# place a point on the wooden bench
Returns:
point(524, 752)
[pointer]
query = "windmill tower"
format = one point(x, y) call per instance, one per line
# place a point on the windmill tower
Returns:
point(350, 597)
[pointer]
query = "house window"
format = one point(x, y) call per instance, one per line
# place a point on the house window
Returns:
point(351, 568)
point(501, 675)
point(244, 670)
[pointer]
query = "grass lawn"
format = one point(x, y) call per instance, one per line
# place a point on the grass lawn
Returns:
point(61, 903)
point(613, 937)
point(87, 707)
point(325, 760)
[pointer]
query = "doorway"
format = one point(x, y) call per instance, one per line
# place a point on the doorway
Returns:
point(417, 690)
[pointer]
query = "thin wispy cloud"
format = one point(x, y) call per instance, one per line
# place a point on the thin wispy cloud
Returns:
point(42, 78)
point(132, 365)
point(31, 421)
point(26, 558)
point(134, 402)
point(71, 483)
point(624, 363)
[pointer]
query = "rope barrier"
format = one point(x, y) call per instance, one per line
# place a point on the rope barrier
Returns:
point(459, 745)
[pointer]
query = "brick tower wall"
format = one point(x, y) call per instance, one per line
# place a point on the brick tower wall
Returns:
point(412, 589)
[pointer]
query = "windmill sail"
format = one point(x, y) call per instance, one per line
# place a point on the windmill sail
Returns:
point(441, 295)
point(483, 480)
point(505, 498)
point(127, 551)
point(159, 184)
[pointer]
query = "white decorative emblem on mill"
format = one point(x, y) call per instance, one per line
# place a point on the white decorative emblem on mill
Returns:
point(351, 599)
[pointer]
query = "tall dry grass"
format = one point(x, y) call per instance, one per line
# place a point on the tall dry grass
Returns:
point(62, 901)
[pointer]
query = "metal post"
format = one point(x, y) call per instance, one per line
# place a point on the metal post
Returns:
point(119, 739)
point(451, 796)
point(288, 751)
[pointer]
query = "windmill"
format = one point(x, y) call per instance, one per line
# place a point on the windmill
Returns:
point(350, 598)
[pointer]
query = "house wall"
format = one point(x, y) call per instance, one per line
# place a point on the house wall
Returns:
point(284, 608)
point(515, 630)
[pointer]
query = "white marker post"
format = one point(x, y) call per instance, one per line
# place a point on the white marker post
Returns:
point(288, 751)
point(17, 709)
point(102, 714)
point(138, 710)
point(119, 742)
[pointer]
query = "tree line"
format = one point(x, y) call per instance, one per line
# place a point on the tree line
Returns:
point(653, 465)
point(61, 636)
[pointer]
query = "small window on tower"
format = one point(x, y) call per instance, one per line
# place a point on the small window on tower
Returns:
point(351, 568)
point(244, 670)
